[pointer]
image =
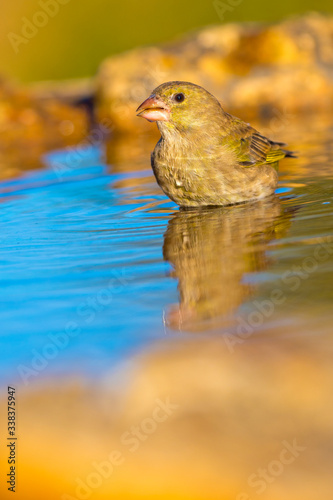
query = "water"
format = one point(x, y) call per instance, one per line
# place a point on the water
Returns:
point(116, 303)
point(97, 264)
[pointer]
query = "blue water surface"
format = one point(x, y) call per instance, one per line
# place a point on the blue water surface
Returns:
point(98, 264)
point(79, 269)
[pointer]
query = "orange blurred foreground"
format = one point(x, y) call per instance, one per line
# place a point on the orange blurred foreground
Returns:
point(189, 420)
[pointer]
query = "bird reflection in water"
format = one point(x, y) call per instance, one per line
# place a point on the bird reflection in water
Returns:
point(210, 251)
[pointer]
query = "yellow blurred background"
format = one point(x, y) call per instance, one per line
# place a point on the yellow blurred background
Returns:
point(76, 36)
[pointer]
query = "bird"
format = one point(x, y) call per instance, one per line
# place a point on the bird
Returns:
point(206, 156)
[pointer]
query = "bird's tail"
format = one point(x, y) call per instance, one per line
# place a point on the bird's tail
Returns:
point(290, 154)
point(287, 152)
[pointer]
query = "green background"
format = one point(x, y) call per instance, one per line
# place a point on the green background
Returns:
point(84, 32)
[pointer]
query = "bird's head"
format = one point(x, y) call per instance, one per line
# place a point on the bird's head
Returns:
point(182, 106)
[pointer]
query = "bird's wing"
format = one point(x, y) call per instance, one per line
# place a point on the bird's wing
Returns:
point(252, 148)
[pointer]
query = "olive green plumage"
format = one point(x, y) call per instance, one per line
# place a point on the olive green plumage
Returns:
point(206, 156)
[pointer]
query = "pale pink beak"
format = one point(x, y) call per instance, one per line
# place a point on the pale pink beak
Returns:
point(154, 110)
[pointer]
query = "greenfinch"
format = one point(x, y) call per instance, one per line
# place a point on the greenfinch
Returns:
point(206, 156)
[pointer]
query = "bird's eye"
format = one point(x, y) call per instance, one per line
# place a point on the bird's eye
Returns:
point(179, 97)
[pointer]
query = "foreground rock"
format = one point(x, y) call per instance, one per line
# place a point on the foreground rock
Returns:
point(190, 420)
point(254, 69)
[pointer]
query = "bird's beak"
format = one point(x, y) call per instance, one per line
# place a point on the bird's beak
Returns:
point(154, 110)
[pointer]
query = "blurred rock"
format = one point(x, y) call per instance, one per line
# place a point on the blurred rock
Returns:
point(32, 123)
point(254, 69)
point(188, 420)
